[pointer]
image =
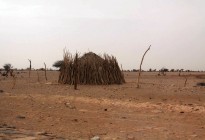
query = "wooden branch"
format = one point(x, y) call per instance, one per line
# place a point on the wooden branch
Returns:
point(29, 67)
point(14, 77)
point(141, 67)
point(76, 71)
point(185, 81)
point(45, 71)
point(14, 80)
point(121, 68)
point(179, 72)
point(38, 77)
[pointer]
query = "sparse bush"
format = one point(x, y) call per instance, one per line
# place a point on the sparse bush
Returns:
point(163, 71)
point(134, 70)
point(41, 69)
point(7, 67)
point(172, 70)
point(58, 63)
point(201, 84)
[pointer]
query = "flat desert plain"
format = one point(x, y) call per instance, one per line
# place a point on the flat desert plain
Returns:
point(161, 109)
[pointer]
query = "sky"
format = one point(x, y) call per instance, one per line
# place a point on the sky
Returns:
point(40, 29)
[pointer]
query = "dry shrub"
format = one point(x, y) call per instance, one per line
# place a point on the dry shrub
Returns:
point(201, 84)
point(200, 76)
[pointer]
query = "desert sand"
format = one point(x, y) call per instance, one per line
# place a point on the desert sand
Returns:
point(162, 108)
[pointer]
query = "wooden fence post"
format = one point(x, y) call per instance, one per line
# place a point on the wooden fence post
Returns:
point(76, 71)
point(141, 67)
point(29, 67)
point(45, 71)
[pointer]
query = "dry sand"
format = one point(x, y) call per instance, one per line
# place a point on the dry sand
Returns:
point(161, 109)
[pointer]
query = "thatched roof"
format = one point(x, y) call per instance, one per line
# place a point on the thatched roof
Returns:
point(90, 57)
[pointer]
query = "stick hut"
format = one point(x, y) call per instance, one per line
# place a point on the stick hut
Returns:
point(91, 69)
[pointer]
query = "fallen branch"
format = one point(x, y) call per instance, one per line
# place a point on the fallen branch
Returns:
point(141, 67)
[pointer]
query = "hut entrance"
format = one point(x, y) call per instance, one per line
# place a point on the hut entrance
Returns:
point(91, 69)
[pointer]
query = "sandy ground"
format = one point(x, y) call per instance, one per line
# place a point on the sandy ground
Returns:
point(162, 108)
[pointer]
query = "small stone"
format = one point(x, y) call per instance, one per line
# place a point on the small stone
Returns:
point(26, 138)
point(130, 137)
point(193, 135)
point(48, 83)
point(75, 120)
point(157, 111)
point(70, 106)
point(20, 117)
point(105, 109)
point(116, 138)
point(95, 138)
point(7, 93)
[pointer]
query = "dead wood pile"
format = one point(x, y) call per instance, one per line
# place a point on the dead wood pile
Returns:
point(91, 69)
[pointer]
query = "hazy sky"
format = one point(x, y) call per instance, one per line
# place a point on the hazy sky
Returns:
point(40, 29)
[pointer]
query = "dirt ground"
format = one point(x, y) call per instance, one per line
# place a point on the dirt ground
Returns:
point(162, 108)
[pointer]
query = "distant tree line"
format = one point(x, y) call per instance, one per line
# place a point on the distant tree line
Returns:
point(162, 70)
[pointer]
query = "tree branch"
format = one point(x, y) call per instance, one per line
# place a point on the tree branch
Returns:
point(141, 67)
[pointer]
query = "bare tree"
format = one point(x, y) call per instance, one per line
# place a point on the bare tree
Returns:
point(141, 67)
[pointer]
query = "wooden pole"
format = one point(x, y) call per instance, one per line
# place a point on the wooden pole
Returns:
point(14, 78)
point(121, 68)
point(29, 67)
point(185, 81)
point(141, 67)
point(76, 71)
point(38, 76)
point(45, 71)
